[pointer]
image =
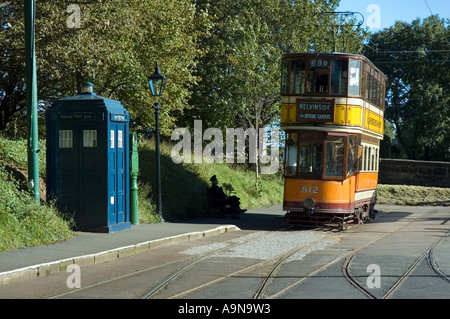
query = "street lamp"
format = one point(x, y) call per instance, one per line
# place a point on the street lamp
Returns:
point(157, 83)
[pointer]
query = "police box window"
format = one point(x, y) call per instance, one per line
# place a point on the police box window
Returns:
point(90, 138)
point(65, 139)
point(120, 139)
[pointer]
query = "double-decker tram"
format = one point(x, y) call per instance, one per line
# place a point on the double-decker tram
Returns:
point(332, 113)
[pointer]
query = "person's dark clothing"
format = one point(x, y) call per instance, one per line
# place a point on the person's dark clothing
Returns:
point(217, 193)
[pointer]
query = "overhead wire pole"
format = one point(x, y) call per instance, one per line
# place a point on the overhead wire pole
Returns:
point(31, 97)
point(342, 13)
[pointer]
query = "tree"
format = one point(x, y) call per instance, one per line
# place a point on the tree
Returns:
point(240, 73)
point(12, 64)
point(415, 57)
point(115, 46)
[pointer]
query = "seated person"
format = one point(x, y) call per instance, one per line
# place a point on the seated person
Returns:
point(217, 193)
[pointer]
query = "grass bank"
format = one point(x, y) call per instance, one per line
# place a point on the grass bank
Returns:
point(23, 223)
point(413, 195)
point(184, 185)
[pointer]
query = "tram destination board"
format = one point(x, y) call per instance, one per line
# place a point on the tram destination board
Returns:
point(315, 110)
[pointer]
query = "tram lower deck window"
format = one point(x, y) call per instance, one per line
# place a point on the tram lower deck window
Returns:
point(334, 156)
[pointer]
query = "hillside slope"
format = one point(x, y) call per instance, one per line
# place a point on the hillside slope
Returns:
point(24, 223)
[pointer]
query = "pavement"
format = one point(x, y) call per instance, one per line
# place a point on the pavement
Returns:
point(88, 248)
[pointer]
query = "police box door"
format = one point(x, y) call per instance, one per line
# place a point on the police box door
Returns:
point(79, 181)
point(116, 173)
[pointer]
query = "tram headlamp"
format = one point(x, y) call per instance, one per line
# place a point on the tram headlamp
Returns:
point(309, 202)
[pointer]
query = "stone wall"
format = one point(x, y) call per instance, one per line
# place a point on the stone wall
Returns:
point(409, 172)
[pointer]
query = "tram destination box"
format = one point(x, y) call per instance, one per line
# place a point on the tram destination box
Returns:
point(309, 110)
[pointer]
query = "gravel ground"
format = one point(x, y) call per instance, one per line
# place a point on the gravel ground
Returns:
point(269, 246)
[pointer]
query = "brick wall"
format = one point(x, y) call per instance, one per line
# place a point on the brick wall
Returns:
point(409, 172)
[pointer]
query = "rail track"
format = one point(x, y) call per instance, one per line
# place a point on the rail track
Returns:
point(347, 258)
point(428, 254)
point(432, 261)
point(277, 261)
point(191, 262)
point(268, 269)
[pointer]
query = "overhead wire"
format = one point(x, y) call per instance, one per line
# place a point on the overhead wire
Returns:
point(428, 7)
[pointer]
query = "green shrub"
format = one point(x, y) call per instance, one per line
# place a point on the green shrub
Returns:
point(25, 223)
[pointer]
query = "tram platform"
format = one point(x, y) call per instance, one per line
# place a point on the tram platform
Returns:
point(87, 248)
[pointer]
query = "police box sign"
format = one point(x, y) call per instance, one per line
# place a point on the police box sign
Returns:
point(118, 117)
point(76, 116)
point(315, 110)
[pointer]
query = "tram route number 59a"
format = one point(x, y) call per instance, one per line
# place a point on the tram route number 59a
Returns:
point(310, 189)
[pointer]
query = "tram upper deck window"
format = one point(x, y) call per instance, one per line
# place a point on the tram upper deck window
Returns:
point(298, 71)
point(355, 77)
point(318, 76)
point(339, 77)
point(291, 154)
point(284, 77)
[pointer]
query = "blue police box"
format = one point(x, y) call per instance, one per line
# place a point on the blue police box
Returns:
point(88, 161)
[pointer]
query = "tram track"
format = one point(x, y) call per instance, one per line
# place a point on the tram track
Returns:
point(270, 267)
point(428, 254)
point(271, 274)
point(432, 260)
point(151, 292)
point(347, 257)
point(277, 260)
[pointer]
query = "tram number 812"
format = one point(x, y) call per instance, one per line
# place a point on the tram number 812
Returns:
point(310, 189)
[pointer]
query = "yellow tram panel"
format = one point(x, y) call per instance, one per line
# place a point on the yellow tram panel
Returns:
point(344, 115)
point(373, 122)
point(348, 115)
point(340, 114)
point(328, 192)
point(354, 115)
point(288, 113)
point(367, 181)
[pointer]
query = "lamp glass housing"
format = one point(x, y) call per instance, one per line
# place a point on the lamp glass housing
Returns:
point(157, 82)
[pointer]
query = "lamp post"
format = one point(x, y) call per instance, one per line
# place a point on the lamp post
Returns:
point(31, 97)
point(157, 83)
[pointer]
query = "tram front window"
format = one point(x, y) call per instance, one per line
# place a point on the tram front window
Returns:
point(310, 160)
point(334, 156)
point(318, 80)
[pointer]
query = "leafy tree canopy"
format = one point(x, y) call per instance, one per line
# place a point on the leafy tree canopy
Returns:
point(115, 46)
point(416, 59)
point(222, 57)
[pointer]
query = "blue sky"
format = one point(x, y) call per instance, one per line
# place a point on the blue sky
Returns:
point(380, 14)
